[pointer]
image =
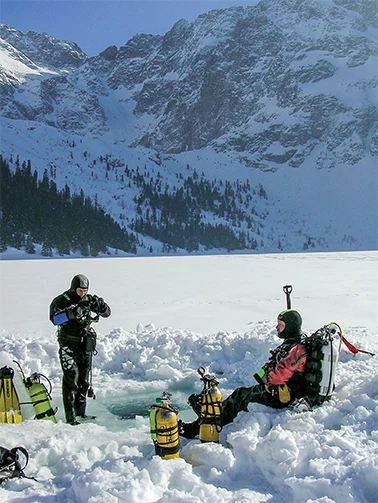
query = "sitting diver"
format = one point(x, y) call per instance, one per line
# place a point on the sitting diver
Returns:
point(280, 382)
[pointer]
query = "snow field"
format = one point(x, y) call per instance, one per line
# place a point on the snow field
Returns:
point(328, 455)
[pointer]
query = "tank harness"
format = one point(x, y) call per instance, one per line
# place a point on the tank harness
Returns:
point(10, 464)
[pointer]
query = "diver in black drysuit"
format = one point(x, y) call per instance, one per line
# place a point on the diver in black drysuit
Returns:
point(77, 342)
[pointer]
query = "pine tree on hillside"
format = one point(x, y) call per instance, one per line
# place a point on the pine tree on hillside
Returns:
point(29, 245)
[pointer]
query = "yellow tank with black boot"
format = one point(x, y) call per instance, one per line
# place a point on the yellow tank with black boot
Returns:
point(164, 427)
point(211, 408)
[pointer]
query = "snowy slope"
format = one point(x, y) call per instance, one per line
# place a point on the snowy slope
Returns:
point(324, 207)
point(170, 316)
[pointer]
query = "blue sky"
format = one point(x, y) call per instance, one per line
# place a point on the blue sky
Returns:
point(96, 24)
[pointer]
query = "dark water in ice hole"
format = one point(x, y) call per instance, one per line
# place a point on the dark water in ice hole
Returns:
point(139, 404)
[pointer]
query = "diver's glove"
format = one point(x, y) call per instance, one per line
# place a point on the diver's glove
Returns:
point(98, 305)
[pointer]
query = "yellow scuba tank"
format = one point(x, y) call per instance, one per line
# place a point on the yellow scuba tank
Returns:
point(211, 408)
point(164, 427)
point(40, 397)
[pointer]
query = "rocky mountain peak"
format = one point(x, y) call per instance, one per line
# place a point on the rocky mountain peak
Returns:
point(110, 53)
point(44, 50)
point(230, 80)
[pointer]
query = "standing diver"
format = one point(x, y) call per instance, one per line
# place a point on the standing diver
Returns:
point(71, 312)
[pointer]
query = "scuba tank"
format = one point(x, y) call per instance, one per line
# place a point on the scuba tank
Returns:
point(39, 395)
point(211, 408)
point(323, 350)
point(164, 427)
point(331, 352)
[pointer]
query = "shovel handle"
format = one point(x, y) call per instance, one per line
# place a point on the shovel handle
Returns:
point(287, 291)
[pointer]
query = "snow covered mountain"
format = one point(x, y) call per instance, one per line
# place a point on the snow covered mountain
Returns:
point(279, 99)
